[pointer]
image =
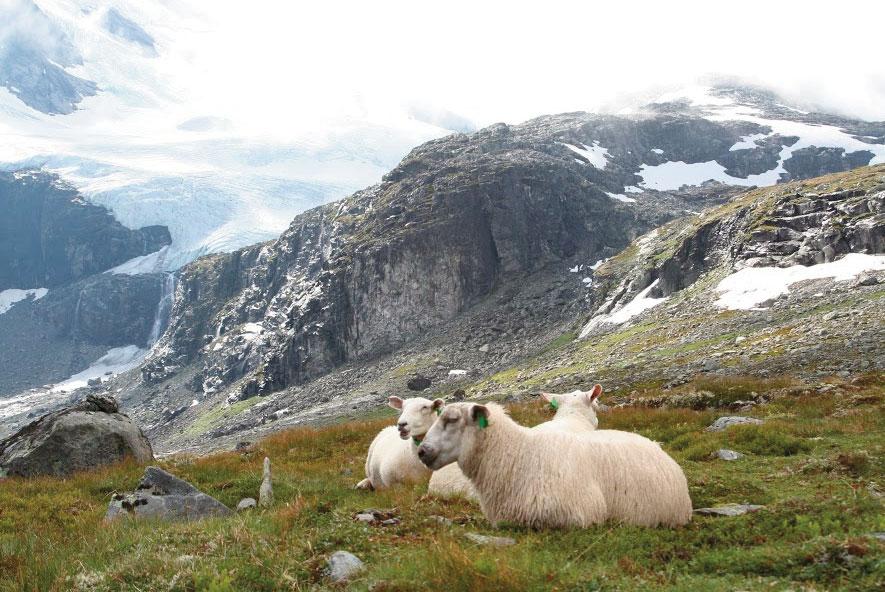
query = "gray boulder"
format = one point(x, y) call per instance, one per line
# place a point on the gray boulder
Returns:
point(247, 503)
point(89, 434)
point(726, 422)
point(165, 496)
point(343, 565)
point(726, 454)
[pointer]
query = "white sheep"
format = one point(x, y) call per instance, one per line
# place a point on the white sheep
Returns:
point(575, 413)
point(540, 478)
point(392, 456)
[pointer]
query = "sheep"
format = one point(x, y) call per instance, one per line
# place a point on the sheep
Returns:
point(392, 456)
point(539, 478)
point(575, 413)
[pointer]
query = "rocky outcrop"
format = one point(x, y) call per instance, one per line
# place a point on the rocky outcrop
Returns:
point(165, 496)
point(88, 435)
point(50, 236)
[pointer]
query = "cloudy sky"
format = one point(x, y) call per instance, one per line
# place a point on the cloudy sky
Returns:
point(509, 61)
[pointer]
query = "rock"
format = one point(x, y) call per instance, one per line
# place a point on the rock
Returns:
point(87, 435)
point(242, 446)
point(878, 535)
point(484, 348)
point(866, 280)
point(265, 492)
point(725, 454)
point(441, 520)
point(418, 383)
point(732, 420)
point(728, 510)
point(93, 382)
point(343, 565)
point(390, 522)
point(458, 395)
point(365, 517)
point(482, 539)
point(739, 339)
point(246, 503)
point(165, 496)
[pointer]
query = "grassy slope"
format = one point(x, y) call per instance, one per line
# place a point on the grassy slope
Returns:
point(817, 464)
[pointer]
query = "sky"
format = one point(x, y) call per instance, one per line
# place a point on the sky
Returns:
point(510, 61)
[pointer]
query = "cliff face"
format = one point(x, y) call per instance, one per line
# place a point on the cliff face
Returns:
point(364, 276)
point(50, 236)
point(459, 218)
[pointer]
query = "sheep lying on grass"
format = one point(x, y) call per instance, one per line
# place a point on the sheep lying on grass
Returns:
point(539, 478)
point(392, 456)
point(575, 414)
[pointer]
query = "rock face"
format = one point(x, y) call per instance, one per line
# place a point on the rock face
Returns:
point(50, 236)
point(88, 435)
point(165, 496)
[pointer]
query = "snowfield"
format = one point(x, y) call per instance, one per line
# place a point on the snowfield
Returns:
point(752, 286)
point(640, 303)
point(116, 361)
point(9, 297)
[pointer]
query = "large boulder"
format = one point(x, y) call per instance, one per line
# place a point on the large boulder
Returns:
point(165, 496)
point(87, 435)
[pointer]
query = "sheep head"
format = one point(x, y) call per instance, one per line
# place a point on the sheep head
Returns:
point(584, 403)
point(416, 415)
point(455, 431)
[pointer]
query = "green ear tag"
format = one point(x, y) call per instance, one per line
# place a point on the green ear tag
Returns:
point(417, 440)
point(439, 411)
point(483, 422)
point(554, 404)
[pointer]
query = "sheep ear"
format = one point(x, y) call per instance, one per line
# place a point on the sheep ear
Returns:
point(438, 405)
point(395, 402)
point(480, 414)
point(547, 396)
point(594, 394)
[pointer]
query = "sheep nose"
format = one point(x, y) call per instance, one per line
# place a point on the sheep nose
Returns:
point(426, 454)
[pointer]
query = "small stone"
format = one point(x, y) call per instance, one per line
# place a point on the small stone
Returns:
point(242, 446)
point(343, 565)
point(878, 535)
point(728, 510)
point(365, 517)
point(482, 539)
point(441, 520)
point(418, 383)
point(725, 454)
point(246, 503)
point(390, 522)
point(867, 280)
point(739, 339)
point(732, 420)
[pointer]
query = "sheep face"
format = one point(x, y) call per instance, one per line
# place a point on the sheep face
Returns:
point(583, 403)
point(416, 415)
point(455, 431)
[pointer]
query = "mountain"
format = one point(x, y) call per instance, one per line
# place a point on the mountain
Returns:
point(474, 255)
point(98, 95)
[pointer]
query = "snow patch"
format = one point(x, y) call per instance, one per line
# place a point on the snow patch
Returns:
point(117, 360)
point(657, 150)
point(595, 154)
point(751, 286)
point(150, 263)
point(9, 297)
point(639, 304)
point(632, 189)
point(620, 197)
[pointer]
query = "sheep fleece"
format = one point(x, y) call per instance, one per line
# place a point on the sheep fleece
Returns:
point(548, 479)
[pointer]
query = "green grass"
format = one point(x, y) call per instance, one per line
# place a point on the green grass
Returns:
point(817, 464)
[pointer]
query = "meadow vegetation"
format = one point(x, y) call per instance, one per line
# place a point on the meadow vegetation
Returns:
point(817, 464)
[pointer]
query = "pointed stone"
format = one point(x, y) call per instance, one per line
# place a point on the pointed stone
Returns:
point(265, 493)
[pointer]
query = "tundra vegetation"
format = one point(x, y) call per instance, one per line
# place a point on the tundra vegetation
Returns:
point(816, 464)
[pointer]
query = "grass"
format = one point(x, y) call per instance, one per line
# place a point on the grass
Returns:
point(817, 464)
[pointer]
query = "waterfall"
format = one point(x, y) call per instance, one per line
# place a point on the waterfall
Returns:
point(164, 309)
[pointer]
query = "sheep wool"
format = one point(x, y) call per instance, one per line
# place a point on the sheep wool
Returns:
point(575, 413)
point(551, 479)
